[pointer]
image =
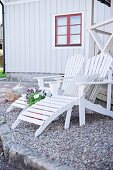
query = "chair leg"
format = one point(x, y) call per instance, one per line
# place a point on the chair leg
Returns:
point(15, 124)
point(10, 108)
point(67, 121)
point(81, 111)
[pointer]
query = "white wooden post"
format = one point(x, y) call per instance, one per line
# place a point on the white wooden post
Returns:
point(90, 42)
point(109, 90)
point(41, 83)
point(111, 11)
point(81, 106)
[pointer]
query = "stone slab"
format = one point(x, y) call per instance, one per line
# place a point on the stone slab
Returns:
point(22, 157)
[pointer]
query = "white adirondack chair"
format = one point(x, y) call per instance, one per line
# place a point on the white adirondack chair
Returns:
point(73, 67)
point(47, 110)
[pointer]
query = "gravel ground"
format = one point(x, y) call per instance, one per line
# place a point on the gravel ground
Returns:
point(88, 147)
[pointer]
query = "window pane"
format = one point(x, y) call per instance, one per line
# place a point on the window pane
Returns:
point(74, 20)
point(62, 30)
point(75, 29)
point(61, 21)
point(75, 39)
point(61, 40)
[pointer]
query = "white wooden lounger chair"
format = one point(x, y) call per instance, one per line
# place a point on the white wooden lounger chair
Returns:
point(47, 110)
point(73, 67)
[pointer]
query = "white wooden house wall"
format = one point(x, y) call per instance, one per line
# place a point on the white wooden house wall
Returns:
point(29, 34)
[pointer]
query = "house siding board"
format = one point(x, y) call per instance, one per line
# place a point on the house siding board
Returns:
point(53, 54)
point(29, 34)
point(47, 36)
point(16, 59)
point(7, 39)
point(26, 38)
point(37, 37)
point(12, 38)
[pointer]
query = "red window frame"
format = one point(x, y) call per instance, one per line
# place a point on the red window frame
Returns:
point(68, 30)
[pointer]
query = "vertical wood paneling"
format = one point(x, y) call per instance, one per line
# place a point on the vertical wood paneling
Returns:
point(47, 37)
point(82, 7)
point(37, 37)
point(17, 56)
point(76, 5)
point(29, 34)
point(12, 39)
point(70, 8)
point(26, 36)
point(42, 35)
point(7, 37)
point(106, 16)
point(58, 51)
point(31, 38)
point(53, 51)
point(64, 52)
point(22, 57)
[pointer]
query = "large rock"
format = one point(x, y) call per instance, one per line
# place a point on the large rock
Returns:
point(12, 95)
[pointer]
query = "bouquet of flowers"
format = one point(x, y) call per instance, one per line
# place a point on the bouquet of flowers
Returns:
point(34, 95)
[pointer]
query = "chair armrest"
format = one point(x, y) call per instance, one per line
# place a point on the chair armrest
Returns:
point(84, 83)
point(60, 79)
point(44, 77)
point(94, 83)
point(41, 79)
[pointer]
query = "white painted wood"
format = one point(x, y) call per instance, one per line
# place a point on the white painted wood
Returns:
point(15, 124)
point(73, 67)
point(49, 104)
point(81, 111)
point(42, 35)
point(30, 32)
point(34, 115)
point(31, 109)
point(21, 35)
point(41, 128)
point(31, 37)
point(54, 101)
point(47, 36)
point(20, 102)
point(98, 108)
point(45, 108)
point(45, 77)
point(109, 44)
point(19, 105)
point(17, 2)
point(109, 21)
point(37, 37)
point(97, 39)
point(109, 90)
point(89, 15)
point(30, 120)
point(68, 117)
point(26, 14)
point(37, 113)
point(10, 108)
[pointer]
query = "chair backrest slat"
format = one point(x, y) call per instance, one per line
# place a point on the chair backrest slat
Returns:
point(96, 69)
point(100, 66)
point(73, 67)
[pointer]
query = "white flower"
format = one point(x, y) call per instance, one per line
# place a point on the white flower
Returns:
point(36, 96)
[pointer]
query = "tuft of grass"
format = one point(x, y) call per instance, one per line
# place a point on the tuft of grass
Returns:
point(1, 73)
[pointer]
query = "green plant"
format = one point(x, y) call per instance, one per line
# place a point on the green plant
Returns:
point(33, 96)
point(1, 73)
